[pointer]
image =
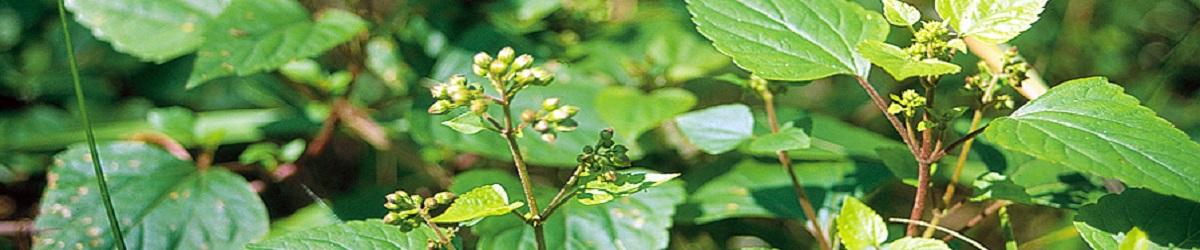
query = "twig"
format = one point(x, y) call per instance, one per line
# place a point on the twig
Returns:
point(991, 209)
point(509, 135)
point(950, 233)
point(165, 142)
point(436, 230)
point(882, 105)
point(568, 190)
point(16, 228)
point(786, 162)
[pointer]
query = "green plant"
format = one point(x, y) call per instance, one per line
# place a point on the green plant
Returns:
point(648, 124)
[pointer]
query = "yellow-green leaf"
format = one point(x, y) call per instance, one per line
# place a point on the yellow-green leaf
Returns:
point(993, 21)
point(900, 13)
point(483, 201)
point(859, 226)
point(899, 64)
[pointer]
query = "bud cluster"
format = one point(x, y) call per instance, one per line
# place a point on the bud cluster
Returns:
point(908, 103)
point(604, 158)
point(509, 72)
point(1013, 72)
point(405, 209)
point(551, 119)
point(456, 92)
point(930, 41)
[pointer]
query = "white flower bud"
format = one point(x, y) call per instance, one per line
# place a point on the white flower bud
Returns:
point(550, 104)
point(482, 59)
point(522, 62)
point(506, 55)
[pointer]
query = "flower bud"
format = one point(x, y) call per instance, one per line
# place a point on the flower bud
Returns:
point(460, 97)
point(606, 134)
point(550, 104)
point(541, 126)
point(506, 55)
point(457, 80)
point(444, 197)
point(543, 77)
point(528, 116)
point(549, 137)
point(303, 70)
point(558, 115)
point(439, 107)
point(392, 218)
point(479, 106)
point(497, 68)
point(567, 125)
point(522, 62)
point(479, 70)
point(571, 110)
point(524, 77)
point(483, 58)
point(439, 91)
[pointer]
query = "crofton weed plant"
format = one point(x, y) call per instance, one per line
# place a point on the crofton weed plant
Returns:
point(614, 124)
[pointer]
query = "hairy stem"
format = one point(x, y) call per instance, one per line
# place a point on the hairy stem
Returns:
point(113, 223)
point(786, 161)
point(522, 172)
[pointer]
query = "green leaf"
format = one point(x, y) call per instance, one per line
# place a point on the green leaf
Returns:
point(368, 234)
point(153, 30)
point(162, 202)
point(995, 186)
point(899, 64)
point(466, 123)
point(483, 201)
point(900, 13)
point(1091, 126)
point(1135, 239)
point(177, 122)
point(763, 190)
point(638, 221)
point(1167, 221)
point(787, 39)
point(630, 112)
point(910, 243)
point(992, 21)
point(717, 129)
point(261, 35)
point(312, 216)
point(787, 139)
point(598, 191)
point(859, 226)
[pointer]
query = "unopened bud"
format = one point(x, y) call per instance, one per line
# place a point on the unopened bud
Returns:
point(524, 77)
point(457, 80)
point(479, 106)
point(543, 77)
point(606, 134)
point(550, 104)
point(439, 107)
point(483, 58)
point(528, 116)
point(439, 91)
point(522, 62)
point(558, 115)
point(549, 137)
point(479, 70)
point(541, 126)
point(567, 125)
point(506, 55)
point(497, 68)
point(443, 197)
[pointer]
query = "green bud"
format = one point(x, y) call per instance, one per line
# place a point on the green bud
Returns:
point(549, 137)
point(550, 104)
point(483, 58)
point(497, 68)
point(439, 107)
point(522, 62)
point(457, 80)
point(392, 218)
point(588, 149)
point(444, 197)
point(524, 77)
point(303, 70)
point(567, 125)
point(506, 55)
point(543, 77)
point(479, 106)
point(528, 116)
point(439, 92)
point(558, 115)
point(606, 134)
point(460, 97)
point(541, 126)
point(571, 110)
point(479, 70)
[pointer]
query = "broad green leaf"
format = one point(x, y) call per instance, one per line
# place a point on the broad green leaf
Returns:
point(368, 234)
point(900, 13)
point(717, 129)
point(1168, 222)
point(1091, 126)
point(630, 112)
point(899, 64)
point(483, 201)
point(466, 123)
point(161, 202)
point(764, 190)
point(788, 39)
point(312, 216)
point(626, 183)
point(834, 139)
point(859, 226)
point(910, 243)
point(153, 30)
point(995, 186)
point(261, 35)
point(786, 140)
point(1135, 239)
point(992, 21)
point(638, 221)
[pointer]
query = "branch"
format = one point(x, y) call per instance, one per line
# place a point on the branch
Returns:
point(786, 162)
point(1031, 88)
point(946, 230)
point(563, 194)
point(882, 105)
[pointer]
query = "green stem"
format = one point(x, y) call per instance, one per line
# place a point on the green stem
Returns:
point(565, 193)
point(523, 174)
point(113, 223)
point(786, 162)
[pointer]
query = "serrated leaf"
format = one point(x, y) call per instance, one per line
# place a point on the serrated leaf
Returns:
point(638, 221)
point(261, 35)
point(352, 235)
point(910, 243)
point(153, 30)
point(900, 13)
point(1167, 221)
point(631, 112)
point(859, 226)
point(788, 39)
point(483, 201)
point(787, 139)
point(992, 21)
point(1091, 126)
point(899, 64)
point(466, 123)
point(717, 129)
point(162, 202)
point(627, 183)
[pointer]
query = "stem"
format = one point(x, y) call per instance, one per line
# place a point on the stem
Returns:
point(567, 191)
point(882, 105)
point(786, 161)
point(113, 223)
point(991, 209)
point(991, 54)
point(523, 173)
point(436, 230)
point(950, 233)
point(919, 199)
point(958, 166)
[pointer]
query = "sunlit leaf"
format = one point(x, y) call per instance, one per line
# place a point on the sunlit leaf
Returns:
point(993, 21)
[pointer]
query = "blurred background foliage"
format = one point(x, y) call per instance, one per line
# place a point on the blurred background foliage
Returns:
point(1151, 47)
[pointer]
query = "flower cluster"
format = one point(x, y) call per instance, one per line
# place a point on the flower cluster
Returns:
point(908, 103)
point(1013, 72)
point(405, 210)
point(551, 119)
point(508, 73)
point(930, 42)
point(603, 158)
point(456, 92)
